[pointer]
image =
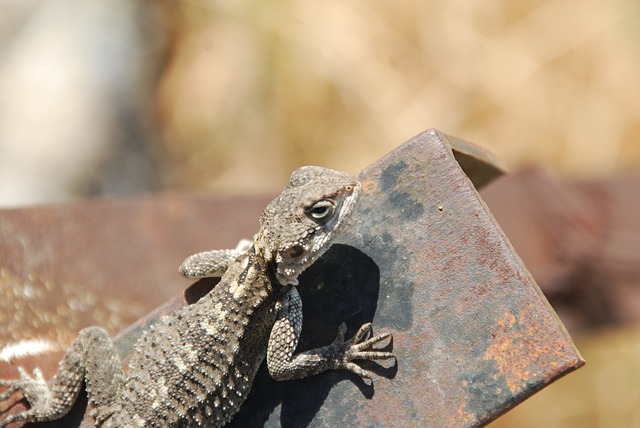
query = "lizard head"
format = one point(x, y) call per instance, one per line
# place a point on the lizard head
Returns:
point(297, 227)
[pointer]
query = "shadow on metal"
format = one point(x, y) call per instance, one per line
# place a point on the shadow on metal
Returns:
point(425, 260)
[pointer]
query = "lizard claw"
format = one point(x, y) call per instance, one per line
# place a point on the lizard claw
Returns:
point(34, 389)
point(342, 330)
point(360, 347)
point(27, 385)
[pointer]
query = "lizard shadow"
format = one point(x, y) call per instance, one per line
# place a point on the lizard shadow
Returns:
point(342, 286)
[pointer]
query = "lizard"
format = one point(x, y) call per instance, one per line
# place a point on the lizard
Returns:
point(195, 367)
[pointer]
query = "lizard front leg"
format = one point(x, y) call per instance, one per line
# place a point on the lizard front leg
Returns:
point(212, 264)
point(92, 359)
point(340, 354)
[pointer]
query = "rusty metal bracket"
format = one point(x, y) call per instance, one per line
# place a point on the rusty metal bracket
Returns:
point(424, 259)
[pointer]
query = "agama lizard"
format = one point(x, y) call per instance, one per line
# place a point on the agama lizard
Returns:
point(196, 366)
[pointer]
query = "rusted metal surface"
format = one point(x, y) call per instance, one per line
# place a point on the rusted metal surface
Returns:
point(580, 240)
point(424, 259)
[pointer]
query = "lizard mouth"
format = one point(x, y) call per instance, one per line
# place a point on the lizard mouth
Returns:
point(291, 263)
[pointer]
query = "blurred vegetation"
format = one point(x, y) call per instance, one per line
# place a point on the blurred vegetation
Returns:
point(231, 96)
point(253, 89)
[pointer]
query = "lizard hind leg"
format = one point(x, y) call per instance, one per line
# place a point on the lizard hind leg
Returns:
point(91, 359)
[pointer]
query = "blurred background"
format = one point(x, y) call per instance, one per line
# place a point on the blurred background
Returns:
point(116, 97)
point(107, 98)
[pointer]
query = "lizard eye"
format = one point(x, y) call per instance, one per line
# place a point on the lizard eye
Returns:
point(321, 210)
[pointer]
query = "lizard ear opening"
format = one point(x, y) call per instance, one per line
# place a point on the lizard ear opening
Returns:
point(295, 251)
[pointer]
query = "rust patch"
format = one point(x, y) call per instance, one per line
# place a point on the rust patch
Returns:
point(520, 348)
point(462, 416)
point(369, 186)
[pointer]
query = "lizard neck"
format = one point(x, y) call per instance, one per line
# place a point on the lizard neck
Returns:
point(261, 247)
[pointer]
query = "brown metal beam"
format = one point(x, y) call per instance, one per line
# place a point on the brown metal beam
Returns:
point(423, 258)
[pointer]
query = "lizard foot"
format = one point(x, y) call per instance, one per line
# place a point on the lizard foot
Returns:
point(35, 391)
point(359, 347)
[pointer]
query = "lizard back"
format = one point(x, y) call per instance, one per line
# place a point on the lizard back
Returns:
point(197, 365)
